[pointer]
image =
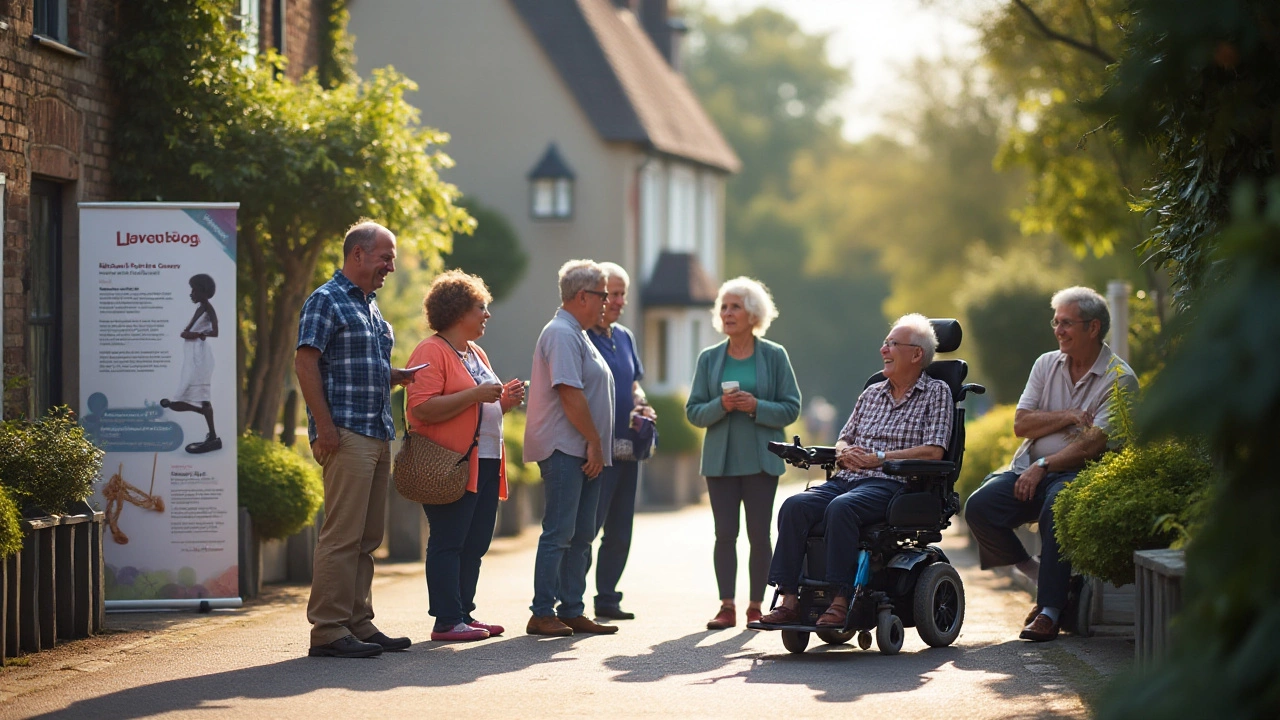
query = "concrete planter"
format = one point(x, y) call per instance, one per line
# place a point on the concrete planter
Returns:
point(52, 590)
point(265, 561)
point(514, 514)
point(670, 481)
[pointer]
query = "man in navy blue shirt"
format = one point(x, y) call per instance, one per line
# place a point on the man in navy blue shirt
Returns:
point(616, 510)
point(343, 362)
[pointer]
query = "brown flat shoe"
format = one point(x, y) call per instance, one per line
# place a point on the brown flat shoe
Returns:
point(1031, 616)
point(726, 618)
point(547, 625)
point(781, 615)
point(1040, 630)
point(584, 624)
point(834, 616)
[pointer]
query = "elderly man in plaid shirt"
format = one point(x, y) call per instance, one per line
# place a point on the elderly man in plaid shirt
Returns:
point(908, 416)
point(343, 362)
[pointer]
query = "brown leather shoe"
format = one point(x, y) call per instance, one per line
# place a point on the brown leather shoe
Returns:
point(547, 625)
point(726, 618)
point(1040, 629)
point(584, 624)
point(781, 615)
point(1031, 616)
point(834, 616)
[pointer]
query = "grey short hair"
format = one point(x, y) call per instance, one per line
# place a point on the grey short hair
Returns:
point(922, 334)
point(755, 298)
point(612, 270)
point(363, 234)
point(1091, 304)
point(578, 275)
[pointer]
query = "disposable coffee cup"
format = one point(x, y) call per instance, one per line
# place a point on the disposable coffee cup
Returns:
point(729, 386)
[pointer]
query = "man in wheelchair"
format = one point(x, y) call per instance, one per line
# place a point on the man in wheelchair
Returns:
point(908, 416)
point(1063, 418)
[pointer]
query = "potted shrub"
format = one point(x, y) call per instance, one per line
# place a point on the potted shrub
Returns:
point(48, 466)
point(10, 527)
point(281, 491)
point(989, 446)
point(669, 478)
point(524, 481)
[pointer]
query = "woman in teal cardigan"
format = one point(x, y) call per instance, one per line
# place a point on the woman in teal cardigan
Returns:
point(744, 393)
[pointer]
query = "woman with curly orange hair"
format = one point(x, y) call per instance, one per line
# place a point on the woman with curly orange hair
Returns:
point(456, 401)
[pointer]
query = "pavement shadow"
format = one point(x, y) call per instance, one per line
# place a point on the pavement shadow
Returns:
point(424, 665)
point(681, 656)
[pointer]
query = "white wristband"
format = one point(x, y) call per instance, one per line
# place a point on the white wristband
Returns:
point(880, 454)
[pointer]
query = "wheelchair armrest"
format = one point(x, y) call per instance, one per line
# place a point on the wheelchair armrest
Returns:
point(918, 468)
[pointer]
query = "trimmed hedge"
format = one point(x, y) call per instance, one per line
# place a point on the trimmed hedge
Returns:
point(989, 445)
point(281, 490)
point(518, 471)
point(676, 434)
point(50, 463)
point(10, 529)
point(1123, 502)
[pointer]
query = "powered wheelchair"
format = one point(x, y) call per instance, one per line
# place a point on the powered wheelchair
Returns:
point(902, 579)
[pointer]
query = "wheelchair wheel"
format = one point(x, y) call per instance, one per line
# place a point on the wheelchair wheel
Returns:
point(939, 605)
point(835, 637)
point(889, 633)
point(864, 640)
point(795, 641)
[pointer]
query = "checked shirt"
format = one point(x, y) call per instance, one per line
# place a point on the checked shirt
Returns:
point(355, 357)
point(922, 417)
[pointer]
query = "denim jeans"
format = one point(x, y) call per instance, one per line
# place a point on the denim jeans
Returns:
point(616, 515)
point(568, 527)
point(460, 536)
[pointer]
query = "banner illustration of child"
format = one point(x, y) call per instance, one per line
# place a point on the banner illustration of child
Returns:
point(197, 363)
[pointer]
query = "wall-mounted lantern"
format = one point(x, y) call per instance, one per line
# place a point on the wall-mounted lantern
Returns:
point(551, 187)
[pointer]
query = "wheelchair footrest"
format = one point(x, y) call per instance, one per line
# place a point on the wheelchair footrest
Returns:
point(798, 628)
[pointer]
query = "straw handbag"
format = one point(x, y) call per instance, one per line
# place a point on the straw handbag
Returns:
point(431, 474)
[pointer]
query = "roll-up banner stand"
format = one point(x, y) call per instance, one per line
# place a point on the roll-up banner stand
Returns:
point(158, 394)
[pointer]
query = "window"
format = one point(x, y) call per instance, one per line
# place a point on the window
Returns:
point(249, 16)
point(709, 224)
point(51, 19)
point(551, 187)
point(44, 288)
point(650, 216)
point(682, 211)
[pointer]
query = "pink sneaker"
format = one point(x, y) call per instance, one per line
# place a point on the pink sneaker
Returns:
point(460, 633)
point(493, 630)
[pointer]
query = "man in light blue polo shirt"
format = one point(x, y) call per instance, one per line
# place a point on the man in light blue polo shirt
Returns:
point(569, 433)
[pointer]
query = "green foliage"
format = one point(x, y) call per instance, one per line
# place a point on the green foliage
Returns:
point(989, 446)
point(1112, 507)
point(10, 529)
point(493, 251)
point(304, 159)
point(676, 435)
point(337, 57)
point(513, 424)
point(49, 463)
point(281, 490)
point(1005, 302)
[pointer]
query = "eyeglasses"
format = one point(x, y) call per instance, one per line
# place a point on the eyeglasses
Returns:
point(1066, 324)
point(598, 293)
point(891, 344)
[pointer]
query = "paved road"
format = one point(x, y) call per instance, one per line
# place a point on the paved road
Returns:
point(251, 663)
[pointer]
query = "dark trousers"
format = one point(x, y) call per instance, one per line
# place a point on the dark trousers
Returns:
point(615, 514)
point(992, 513)
point(460, 536)
point(729, 496)
point(844, 508)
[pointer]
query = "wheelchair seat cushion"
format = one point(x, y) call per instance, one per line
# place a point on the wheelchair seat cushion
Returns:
point(920, 509)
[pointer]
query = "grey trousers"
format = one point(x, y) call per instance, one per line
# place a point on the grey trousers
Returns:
point(993, 512)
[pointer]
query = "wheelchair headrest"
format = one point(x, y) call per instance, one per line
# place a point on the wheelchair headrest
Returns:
point(948, 332)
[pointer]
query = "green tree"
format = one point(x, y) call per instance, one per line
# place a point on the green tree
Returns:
point(493, 251)
point(304, 159)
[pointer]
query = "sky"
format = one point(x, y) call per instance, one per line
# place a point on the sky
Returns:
point(875, 38)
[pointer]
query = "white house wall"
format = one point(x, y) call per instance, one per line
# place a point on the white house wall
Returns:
point(483, 78)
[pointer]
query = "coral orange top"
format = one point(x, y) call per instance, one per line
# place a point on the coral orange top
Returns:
point(446, 376)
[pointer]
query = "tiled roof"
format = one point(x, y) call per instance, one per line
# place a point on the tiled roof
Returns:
point(678, 280)
point(622, 82)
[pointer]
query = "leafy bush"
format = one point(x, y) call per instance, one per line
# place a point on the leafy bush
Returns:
point(49, 464)
point(10, 530)
point(1115, 506)
point(675, 433)
point(281, 490)
point(989, 445)
point(513, 438)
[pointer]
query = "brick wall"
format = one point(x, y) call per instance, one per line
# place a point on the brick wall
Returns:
point(302, 36)
point(55, 123)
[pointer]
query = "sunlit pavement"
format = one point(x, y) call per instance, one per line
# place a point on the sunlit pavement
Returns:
point(252, 662)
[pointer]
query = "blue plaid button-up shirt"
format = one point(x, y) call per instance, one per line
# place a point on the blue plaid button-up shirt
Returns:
point(355, 343)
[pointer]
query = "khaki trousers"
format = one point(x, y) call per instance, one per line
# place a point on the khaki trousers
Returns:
point(355, 502)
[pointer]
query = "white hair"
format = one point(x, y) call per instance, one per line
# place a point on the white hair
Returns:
point(922, 334)
point(612, 270)
point(755, 299)
point(578, 275)
point(1092, 306)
